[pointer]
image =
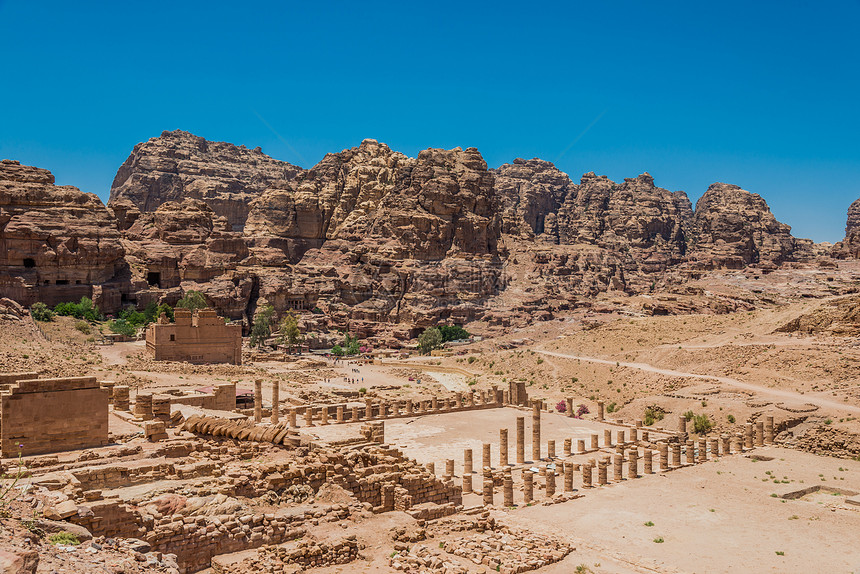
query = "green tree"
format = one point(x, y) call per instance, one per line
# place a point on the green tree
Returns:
point(123, 327)
point(430, 339)
point(262, 328)
point(41, 312)
point(337, 351)
point(350, 345)
point(290, 332)
point(192, 301)
point(166, 309)
point(453, 333)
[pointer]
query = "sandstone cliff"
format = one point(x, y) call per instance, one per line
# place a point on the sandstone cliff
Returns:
point(56, 242)
point(179, 165)
point(735, 228)
point(850, 246)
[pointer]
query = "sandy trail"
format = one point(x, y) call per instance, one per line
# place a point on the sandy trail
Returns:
point(791, 395)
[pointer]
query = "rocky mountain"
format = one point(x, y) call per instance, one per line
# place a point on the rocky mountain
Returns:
point(850, 246)
point(57, 243)
point(374, 241)
point(179, 165)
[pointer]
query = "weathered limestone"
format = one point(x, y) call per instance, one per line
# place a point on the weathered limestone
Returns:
point(521, 440)
point(276, 402)
point(587, 471)
point(676, 455)
point(566, 448)
point(634, 435)
point(120, 398)
point(355, 415)
point(258, 400)
point(528, 486)
point(682, 425)
point(467, 461)
point(736, 443)
point(154, 430)
point(431, 467)
point(617, 467)
point(647, 463)
point(486, 457)
point(161, 408)
point(368, 409)
point(714, 446)
point(324, 415)
point(52, 415)
point(690, 452)
point(503, 447)
point(619, 437)
point(508, 488)
point(550, 448)
point(602, 472)
point(703, 450)
point(580, 445)
point(600, 415)
point(449, 468)
point(748, 436)
point(759, 433)
point(338, 414)
point(309, 416)
point(607, 437)
point(594, 444)
point(536, 431)
point(292, 417)
point(143, 406)
point(467, 483)
point(726, 444)
point(568, 477)
point(487, 490)
point(201, 338)
point(664, 456)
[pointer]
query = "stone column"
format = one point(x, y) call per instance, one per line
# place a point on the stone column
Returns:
point(449, 468)
point(292, 417)
point(487, 462)
point(690, 452)
point(586, 475)
point(470, 399)
point(161, 408)
point(409, 407)
point(644, 436)
point(467, 461)
point(726, 444)
point(550, 482)
point(580, 445)
point(276, 402)
point(508, 488)
point(600, 416)
point(736, 443)
point(338, 414)
point(676, 454)
point(503, 447)
point(633, 463)
point(703, 450)
point(434, 404)
point(647, 462)
point(768, 430)
point(487, 490)
point(634, 435)
point(536, 431)
point(602, 471)
point(324, 415)
point(431, 467)
point(570, 412)
point(715, 447)
point(355, 415)
point(619, 437)
point(617, 467)
point(568, 477)
point(383, 410)
point(528, 486)
point(143, 406)
point(566, 448)
point(594, 444)
point(395, 409)
point(682, 424)
point(550, 448)
point(607, 437)
point(368, 409)
point(120, 398)
point(258, 400)
point(664, 455)
point(309, 416)
point(748, 436)
point(759, 433)
point(521, 440)
point(467, 483)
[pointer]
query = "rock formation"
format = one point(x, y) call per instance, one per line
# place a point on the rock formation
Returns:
point(735, 228)
point(850, 246)
point(56, 242)
point(179, 165)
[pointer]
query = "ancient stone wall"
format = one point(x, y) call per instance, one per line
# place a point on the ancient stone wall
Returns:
point(201, 338)
point(52, 415)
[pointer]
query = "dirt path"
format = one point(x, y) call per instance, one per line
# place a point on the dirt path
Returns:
point(790, 395)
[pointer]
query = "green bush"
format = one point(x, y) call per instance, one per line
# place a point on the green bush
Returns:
point(452, 333)
point(337, 351)
point(262, 327)
point(611, 407)
point(192, 301)
point(689, 415)
point(122, 327)
point(41, 312)
point(64, 538)
point(84, 309)
point(430, 339)
point(83, 327)
point(652, 415)
point(731, 419)
point(702, 424)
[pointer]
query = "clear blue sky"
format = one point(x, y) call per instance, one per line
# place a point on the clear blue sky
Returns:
point(761, 94)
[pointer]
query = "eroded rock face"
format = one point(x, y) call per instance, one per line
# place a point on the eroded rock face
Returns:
point(57, 243)
point(179, 165)
point(735, 228)
point(530, 193)
point(850, 246)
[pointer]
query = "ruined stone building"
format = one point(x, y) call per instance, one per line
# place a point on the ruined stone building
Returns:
point(200, 338)
point(39, 416)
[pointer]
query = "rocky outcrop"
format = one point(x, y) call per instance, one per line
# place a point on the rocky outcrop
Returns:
point(530, 193)
point(57, 243)
point(850, 246)
point(734, 228)
point(179, 165)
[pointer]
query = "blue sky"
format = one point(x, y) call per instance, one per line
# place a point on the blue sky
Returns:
point(760, 94)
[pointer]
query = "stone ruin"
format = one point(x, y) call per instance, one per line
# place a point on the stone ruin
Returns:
point(201, 337)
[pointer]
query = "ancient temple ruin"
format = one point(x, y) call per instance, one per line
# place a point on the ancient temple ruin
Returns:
point(202, 337)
